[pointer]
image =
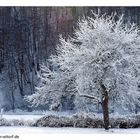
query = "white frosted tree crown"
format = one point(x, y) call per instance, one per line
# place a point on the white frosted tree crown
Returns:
point(102, 51)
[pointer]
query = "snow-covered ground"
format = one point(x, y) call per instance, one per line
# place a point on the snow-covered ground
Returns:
point(22, 117)
point(30, 116)
point(19, 115)
point(48, 130)
point(25, 115)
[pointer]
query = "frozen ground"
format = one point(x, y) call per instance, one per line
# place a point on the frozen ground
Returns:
point(47, 130)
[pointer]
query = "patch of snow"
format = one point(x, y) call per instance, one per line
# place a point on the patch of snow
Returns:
point(23, 112)
point(22, 117)
point(25, 115)
point(48, 130)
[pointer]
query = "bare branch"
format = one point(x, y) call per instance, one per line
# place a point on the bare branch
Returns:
point(87, 96)
point(90, 97)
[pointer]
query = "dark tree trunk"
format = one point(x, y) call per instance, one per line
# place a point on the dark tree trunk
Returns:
point(13, 101)
point(105, 107)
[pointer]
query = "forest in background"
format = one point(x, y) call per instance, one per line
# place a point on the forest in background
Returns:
point(28, 36)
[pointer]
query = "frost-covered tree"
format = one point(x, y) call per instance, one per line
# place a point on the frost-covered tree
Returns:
point(100, 62)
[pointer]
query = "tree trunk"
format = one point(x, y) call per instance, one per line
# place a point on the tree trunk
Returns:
point(105, 107)
point(13, 100)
